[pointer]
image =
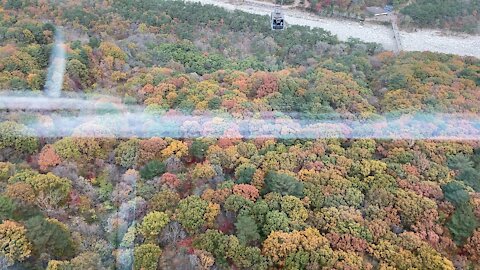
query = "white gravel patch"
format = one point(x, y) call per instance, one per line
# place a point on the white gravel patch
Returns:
point(422, 40)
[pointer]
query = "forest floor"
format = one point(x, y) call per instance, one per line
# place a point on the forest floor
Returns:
point(420, 40)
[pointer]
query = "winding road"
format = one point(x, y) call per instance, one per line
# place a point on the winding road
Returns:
point(422, 40)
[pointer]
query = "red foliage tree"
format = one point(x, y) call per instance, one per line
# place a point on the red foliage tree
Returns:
point(151, 149)
point(472, 247)
point(48, 157)
point(188, 244)
point(170, 179)
point(264, 84)
point(347, 242)
point(249, 192)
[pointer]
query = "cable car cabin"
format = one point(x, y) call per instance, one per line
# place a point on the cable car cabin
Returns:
point(278, 21)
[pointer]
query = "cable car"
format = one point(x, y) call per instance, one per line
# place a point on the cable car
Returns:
point(277, 19)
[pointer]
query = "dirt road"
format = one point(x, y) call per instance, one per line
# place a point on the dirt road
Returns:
point(422, 40)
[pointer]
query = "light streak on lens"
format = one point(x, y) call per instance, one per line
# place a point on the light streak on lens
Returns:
point(56, 69)
point(107, 117)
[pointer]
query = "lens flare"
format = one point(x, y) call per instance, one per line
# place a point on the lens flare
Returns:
point(107, 117)
point(56, 70)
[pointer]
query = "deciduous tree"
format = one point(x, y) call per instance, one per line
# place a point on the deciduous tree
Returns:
point(176, 148)
point(211, 214)
point(21, 192)
point(472, 247)
point(50, 190)
point(164, 201)
point(126, 154)
point(146, 257)
point(18, 137)
point(7, 169)
point(249, 192)
point(191, 213)
point(150, 149)
point(48, 157)
point(203, 171)
point(152, 225)
point(279, 245)
point(13, 242)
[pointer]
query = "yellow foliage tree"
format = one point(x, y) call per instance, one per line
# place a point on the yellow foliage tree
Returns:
point(58, 265)
point(211, 214)
point(206, 259)
point(21, 192)
point(175, 147)
point(258, 179)
point(203, 171)
point(279, 245)
point(14, 244)
point(112, 50)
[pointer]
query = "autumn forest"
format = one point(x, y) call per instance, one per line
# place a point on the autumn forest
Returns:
point(91, 200)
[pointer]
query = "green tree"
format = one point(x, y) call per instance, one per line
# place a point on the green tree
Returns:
point(214, 103)
point(152, 169)
point(247, 229)
point(50, 236)
point(6, 208)
point(190, 212)
point(126, 154)
point(276, 221)
point(456, 193)
point(462, 223)
point(67, 149)
point(22, 176)
point(459, 162)
point(18, 137)
point(214, 242)
point(14, 4)
point(77, 71)
point(152, 224)
point(471, 177)
point(245, 257)
point(146, 257)
point(283, 184)
point(235, 203)
point(244, 173)
point(198, 149)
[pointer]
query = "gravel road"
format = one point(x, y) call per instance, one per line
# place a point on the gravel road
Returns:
point(422, 40)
